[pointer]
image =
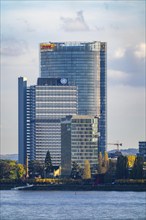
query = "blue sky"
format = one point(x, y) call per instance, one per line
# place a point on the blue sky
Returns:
point(24, 24)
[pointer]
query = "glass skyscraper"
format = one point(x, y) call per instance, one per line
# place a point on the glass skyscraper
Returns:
point(84, 65)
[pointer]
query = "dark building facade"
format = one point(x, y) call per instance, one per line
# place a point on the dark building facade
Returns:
point(142, 149)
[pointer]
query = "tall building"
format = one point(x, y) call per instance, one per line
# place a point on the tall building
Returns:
point(22, 86)
point(84, 64)
point(43, 106)
point(79, 138)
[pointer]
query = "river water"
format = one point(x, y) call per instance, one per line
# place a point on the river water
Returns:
point(69, 205)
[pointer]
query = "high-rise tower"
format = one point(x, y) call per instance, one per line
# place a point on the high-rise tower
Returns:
point(22, 86)
point(84, 64)
point(41, 108)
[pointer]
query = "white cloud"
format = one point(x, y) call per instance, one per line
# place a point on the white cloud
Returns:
point(130, 61)
point(117, 75)
point(13, 47)
point(119, 53)
point(140, 50)
point(75, 24)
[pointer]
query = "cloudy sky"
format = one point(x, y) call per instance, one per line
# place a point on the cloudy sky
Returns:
point(24, 24)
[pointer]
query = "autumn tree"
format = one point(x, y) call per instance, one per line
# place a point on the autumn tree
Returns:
point(87, 170)
point(20, 171)
point(103, 163)
point(100, 163)
point(13, 170)
point(131, 160)
point(106, 161)
point(9, 169)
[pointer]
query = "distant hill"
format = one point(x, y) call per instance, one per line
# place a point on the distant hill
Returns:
point(9, 157)
point(129, 151)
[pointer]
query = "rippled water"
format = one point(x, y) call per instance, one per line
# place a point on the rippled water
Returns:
point(82, 205)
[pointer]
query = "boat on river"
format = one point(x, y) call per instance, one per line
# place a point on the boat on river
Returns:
point(22, 187)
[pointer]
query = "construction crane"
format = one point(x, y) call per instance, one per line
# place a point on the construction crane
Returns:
point(117, 144)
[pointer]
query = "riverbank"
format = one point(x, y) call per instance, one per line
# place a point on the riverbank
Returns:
point(68, 187)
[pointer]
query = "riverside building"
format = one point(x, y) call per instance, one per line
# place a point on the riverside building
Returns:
point(79, 139)
point(142, 149)
point(84, 65)
point(41, 108)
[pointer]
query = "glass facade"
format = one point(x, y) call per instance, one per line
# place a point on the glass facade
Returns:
point(142, 149)
point(79, 141)
point(84, 64)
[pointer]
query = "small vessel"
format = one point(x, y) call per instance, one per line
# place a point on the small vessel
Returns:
point(22, 187)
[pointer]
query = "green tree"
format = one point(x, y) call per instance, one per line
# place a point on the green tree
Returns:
point(76, 172)
point(87, 170)
point(111, 172)
point(137, 171)
point(122, 167)
point(48, 163)
point(9, 169)
point(4, 169)
point(13, 170)
point(36, 168)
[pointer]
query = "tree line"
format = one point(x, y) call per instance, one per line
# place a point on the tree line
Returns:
point(12, 170)
point(126, 167)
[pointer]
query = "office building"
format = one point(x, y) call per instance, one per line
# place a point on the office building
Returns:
point(79, 139)
point(43, 106)
point(84, 64)
point(142, 149)
point(22, 86)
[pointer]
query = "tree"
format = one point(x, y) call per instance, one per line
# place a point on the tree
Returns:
point(137, 171)
point(36, 168)
point(20, 171)
point(9, 169)
point(110, 174)
point(103, 163)
point(122, 167)
point(87, 170)
point(106, 161)
point(100, 162)
point(76, 172)
point(4, 169)
point(48, 163)
point(131, 160)
point(13, 170)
